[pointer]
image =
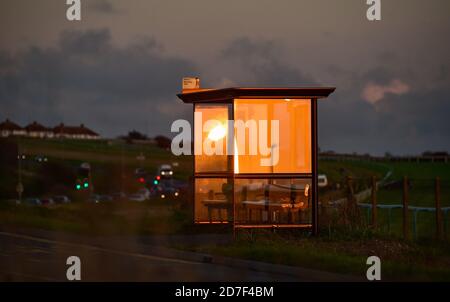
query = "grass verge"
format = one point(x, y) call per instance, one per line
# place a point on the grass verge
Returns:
point(401, 260)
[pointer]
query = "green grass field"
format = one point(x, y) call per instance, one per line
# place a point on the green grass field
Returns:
point(112, 164)
point(110, 158)
point(154, 217)
point(104, 152)
point(336, 171)
point(421, 193)
point(401, 261)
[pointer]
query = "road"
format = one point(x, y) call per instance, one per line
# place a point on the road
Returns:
point(31, 258)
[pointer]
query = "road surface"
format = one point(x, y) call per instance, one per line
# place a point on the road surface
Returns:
point(30, 258)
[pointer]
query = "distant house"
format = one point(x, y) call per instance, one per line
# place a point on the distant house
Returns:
point(36, 130)
point(8, 128)
point(435, 154)
point(39, 131)
point(74, 132)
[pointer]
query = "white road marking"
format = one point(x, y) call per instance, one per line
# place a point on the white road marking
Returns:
point(137, 255)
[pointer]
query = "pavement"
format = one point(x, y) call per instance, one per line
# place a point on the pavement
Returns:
point(36, 255)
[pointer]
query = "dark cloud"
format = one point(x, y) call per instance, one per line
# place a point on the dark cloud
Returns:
point(385, 108)
point(259, 62)
point(102, 6)
point(91, 42)
point(347, 121)
point(387, 57)
point(443, 73)
point(402, 121)
point(86, 79)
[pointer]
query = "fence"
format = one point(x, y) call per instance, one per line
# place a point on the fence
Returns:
point(411, 208)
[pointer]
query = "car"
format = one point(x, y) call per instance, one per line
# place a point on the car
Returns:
point(105, 198)
point(94, 198)
point(41, 158)
point(47, 201)
point(182, 186)
point(61, 199)
point(137, 197)
point(118, 196)
point(322, 180)
point(165, 171)
point(32, 202)
point(145, 192)
point(164, 191)
point(21, 156)
point(97, 198)
point(13, 201)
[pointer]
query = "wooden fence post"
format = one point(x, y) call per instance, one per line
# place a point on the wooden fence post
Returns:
point(350, 193)
point(437, 198)
point(374, 202)
point(349, 207)
point(353, 213)
point(405, 208)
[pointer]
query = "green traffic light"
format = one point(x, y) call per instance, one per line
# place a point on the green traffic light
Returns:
point(78, 186)
point(86, 185)
point(155, 182)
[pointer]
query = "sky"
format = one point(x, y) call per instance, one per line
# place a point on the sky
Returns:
point(120, 67)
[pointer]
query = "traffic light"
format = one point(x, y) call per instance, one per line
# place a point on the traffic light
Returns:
point(83, 177)
point(141, 180)
point(155, 182)
point(82, 185)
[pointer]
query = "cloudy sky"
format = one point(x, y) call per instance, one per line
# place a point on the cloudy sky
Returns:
point(120, 67)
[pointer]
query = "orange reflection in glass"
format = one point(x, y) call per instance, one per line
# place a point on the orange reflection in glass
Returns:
point(294, 116)
point(216, 135)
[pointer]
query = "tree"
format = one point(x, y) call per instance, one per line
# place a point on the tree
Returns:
point(163, 142)
point(136, 135)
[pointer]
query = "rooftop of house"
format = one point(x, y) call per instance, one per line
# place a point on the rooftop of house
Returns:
point(73, 130)
point(36, 127)
point(8, 125)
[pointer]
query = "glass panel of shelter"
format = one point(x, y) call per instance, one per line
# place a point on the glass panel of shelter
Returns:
point(271, 200)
